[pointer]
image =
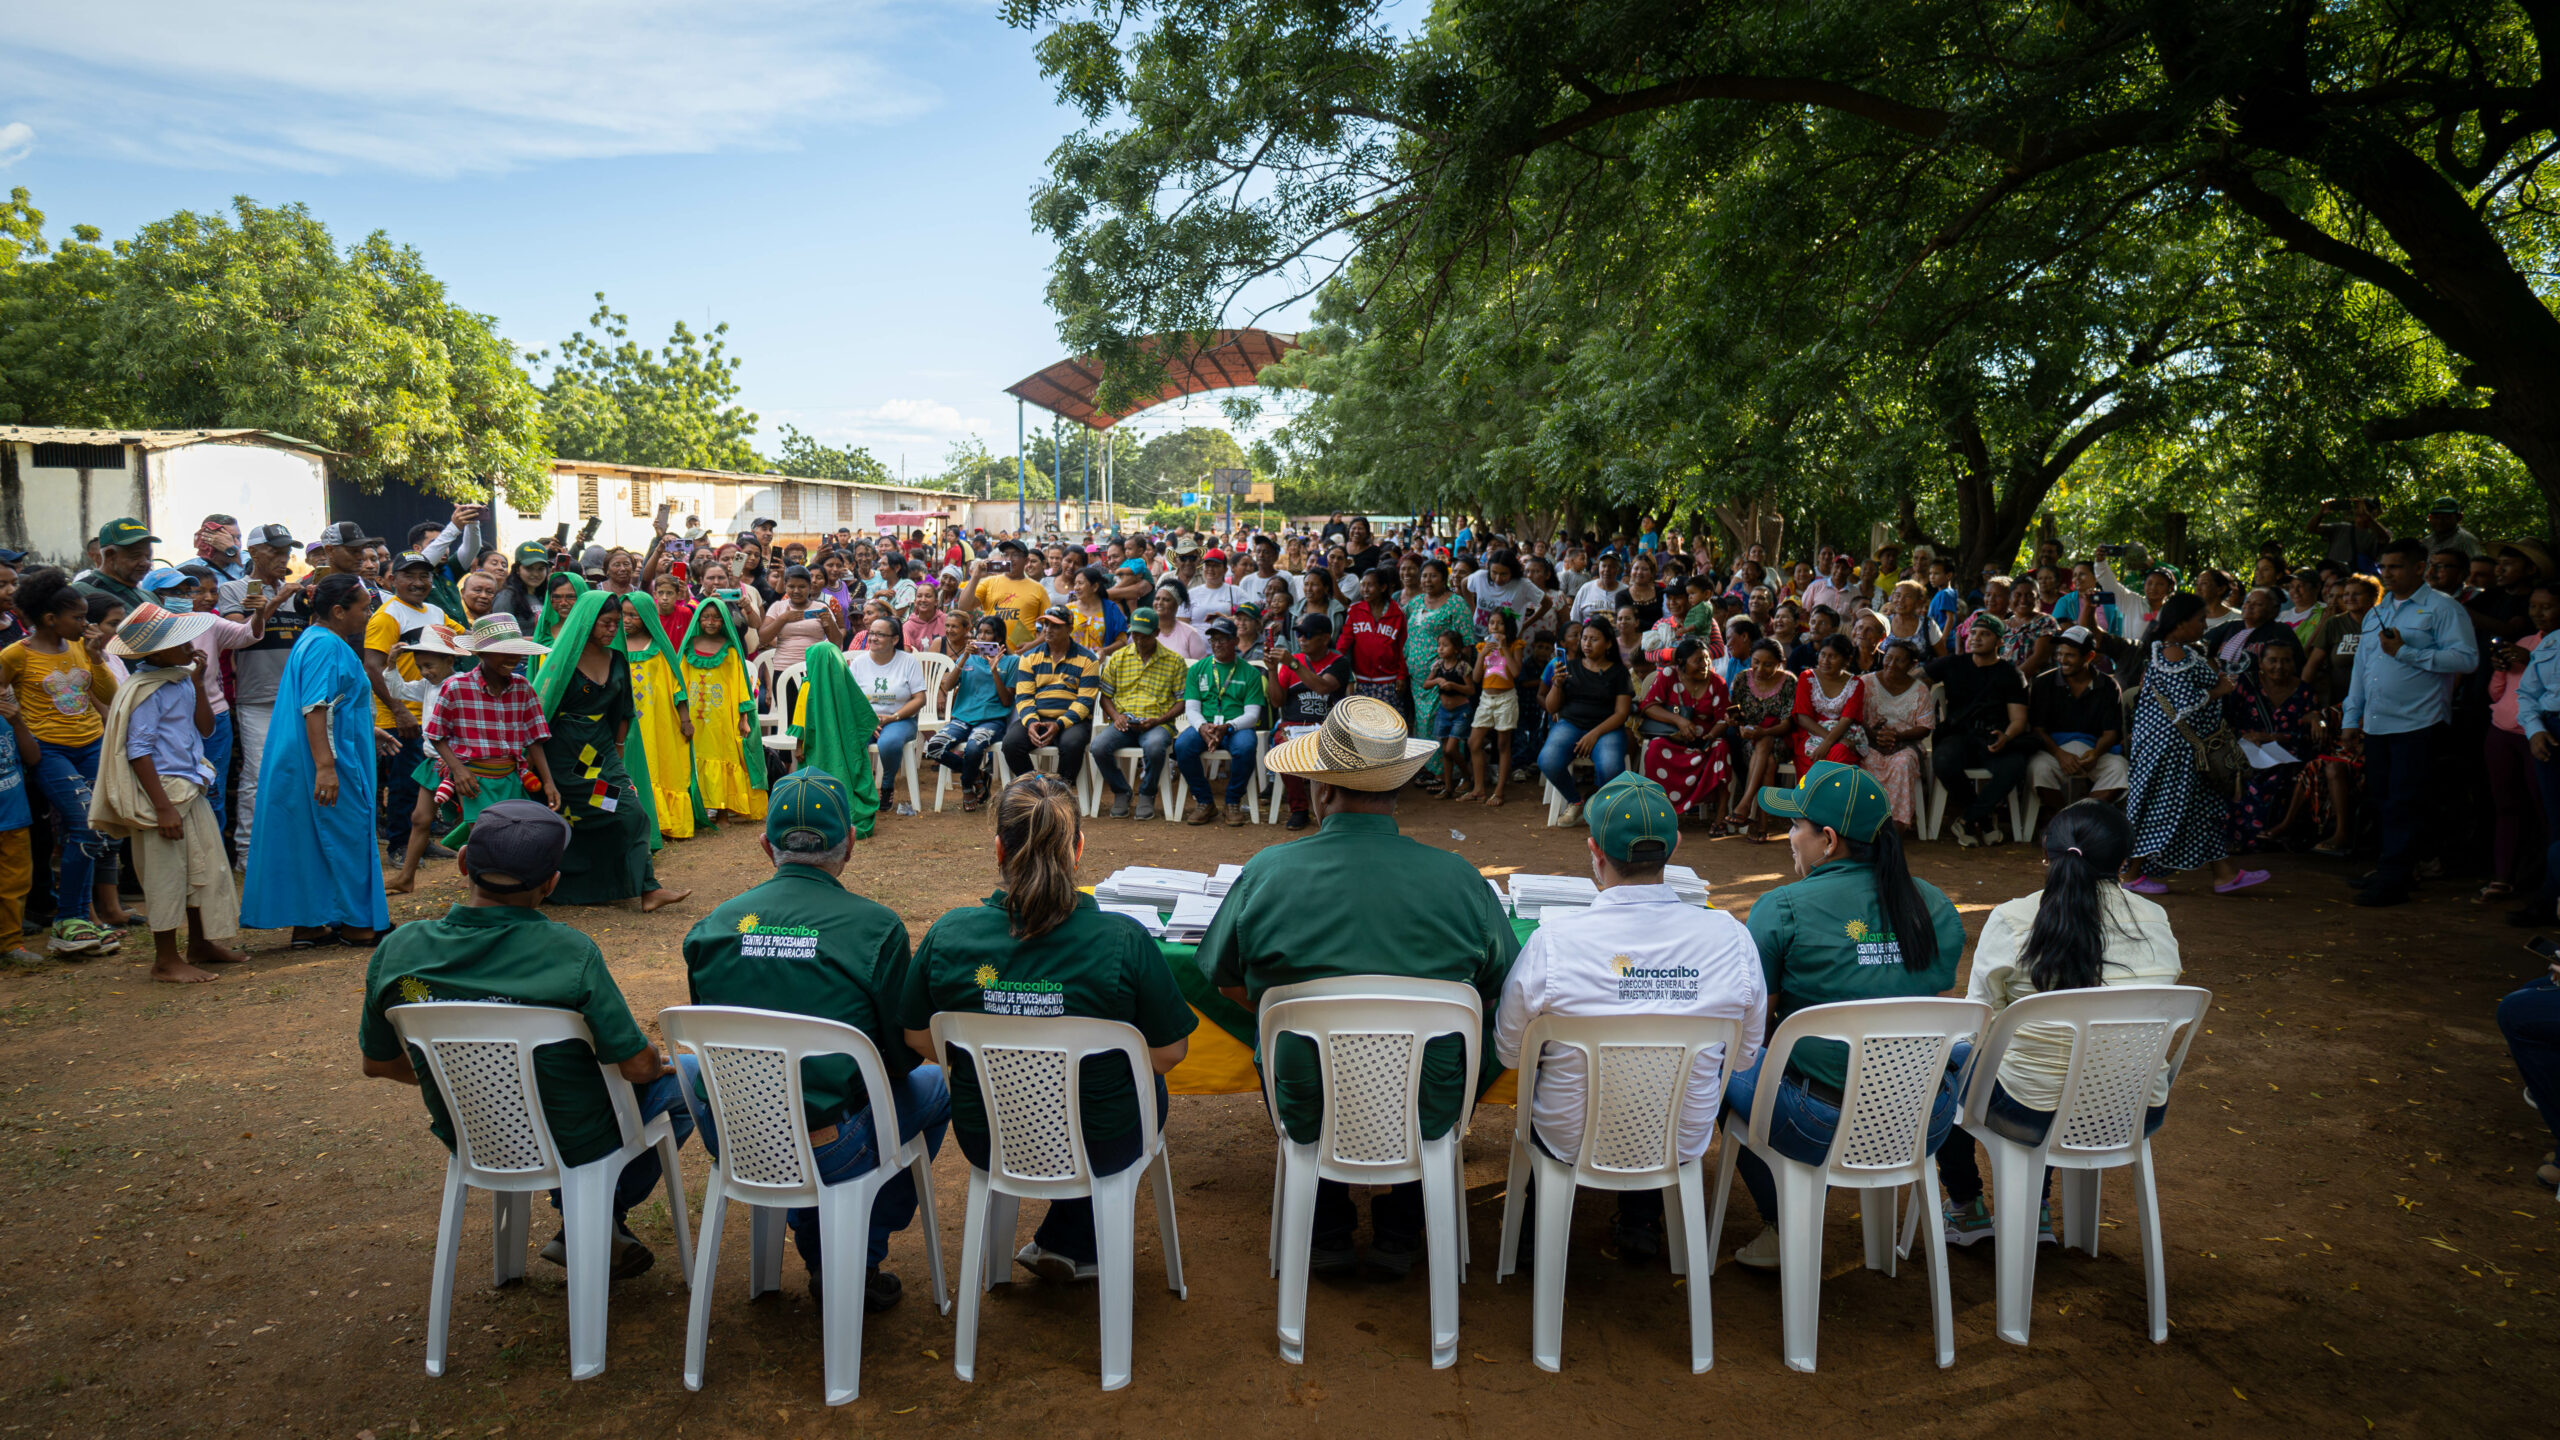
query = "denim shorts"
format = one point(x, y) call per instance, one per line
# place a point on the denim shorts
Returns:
point(1448, 724)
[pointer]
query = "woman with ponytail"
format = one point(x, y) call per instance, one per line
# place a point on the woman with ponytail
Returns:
point(1857, 926)
point(1040, 947)
point(2081, 929)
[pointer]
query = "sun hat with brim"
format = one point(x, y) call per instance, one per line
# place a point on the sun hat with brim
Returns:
point(1836, 796)
point(2533, 552)
point(499, 634)
point(1362, 745)
point(435, 640)
point(150, 629)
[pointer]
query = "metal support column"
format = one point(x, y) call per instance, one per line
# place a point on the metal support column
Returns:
point(1021, 475)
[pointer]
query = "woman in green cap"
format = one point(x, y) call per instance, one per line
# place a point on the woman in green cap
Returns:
point(585, 689)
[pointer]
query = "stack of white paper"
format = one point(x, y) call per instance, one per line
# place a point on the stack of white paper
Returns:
point(1146, 916)
point(1530, 891)
point(1226, 877)
point(1687, 883)
point(1501, 897)
point(1190, 918)
point(1152, 883)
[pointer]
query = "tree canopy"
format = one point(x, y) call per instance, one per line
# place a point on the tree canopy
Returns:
point(1936, 262)
point(256, 318)
point(614, 401)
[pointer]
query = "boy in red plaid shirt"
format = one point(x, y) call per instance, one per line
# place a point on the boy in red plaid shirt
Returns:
point(483, 732)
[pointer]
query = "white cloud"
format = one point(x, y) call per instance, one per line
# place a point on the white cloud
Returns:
point(923, 429)
point(441, 87)
point(16, 139)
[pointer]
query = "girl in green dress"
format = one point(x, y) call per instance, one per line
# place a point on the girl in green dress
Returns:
point(585, 688)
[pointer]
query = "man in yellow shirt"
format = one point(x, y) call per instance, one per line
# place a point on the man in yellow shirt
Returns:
point(1013, 596)
point(405, 614)
point(1141, 698)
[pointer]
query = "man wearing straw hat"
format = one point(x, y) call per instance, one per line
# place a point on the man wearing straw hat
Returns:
point(1358, 898)
point(487, 720)
point(156, 797)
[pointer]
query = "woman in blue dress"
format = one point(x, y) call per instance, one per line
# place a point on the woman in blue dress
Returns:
point(314, 862)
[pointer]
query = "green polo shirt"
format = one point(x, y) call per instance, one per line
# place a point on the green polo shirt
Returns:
point(1358, 898)
point(803, 944)
point(502, 952)
point(1824, 938)
point(99, 582)
point(1096, 965)
point(1224, 691)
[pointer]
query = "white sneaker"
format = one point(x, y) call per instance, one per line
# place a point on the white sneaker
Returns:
point(1567, 818)
point(1762, 1252)
point(1049, 1265)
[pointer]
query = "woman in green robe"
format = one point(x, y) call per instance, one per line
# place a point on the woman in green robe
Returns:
point(834, 723)
point(585, 689)
point(555, 607)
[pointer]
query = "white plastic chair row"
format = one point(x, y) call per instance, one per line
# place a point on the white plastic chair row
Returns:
point(751, 1077)
point(774, 721)
point(1636, 1070)
point(1030, 1072)
point(1369, 1032)
point(927, 721)
point(480, 1057)
point(2123, 1038)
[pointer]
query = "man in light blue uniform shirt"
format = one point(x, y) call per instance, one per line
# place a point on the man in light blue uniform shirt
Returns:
point(2413, 639)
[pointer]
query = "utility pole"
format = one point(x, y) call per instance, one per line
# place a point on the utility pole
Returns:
point(1021, 475)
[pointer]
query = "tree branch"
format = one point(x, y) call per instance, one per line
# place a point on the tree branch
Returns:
point(2429, 420)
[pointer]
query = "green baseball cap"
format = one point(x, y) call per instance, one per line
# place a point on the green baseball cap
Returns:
point(1633, 820)
point(1142, 621)
point(532, 552)
point(808, 812)
point(2445, 505)
point(127, 531)
point(1839, 797)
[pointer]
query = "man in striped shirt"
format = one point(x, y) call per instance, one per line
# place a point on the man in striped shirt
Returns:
point(1054, 690)
point(1141, 698)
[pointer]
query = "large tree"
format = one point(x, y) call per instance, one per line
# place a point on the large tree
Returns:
point(258, 319)
point(614, 401)
point(800, 455)
point(2400, 146)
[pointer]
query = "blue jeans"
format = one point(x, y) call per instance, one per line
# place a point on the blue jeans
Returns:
point(893, 740)
point(399, 781)
point(923, 1104)
point(2395, 775)
point(1960, 1169)
point(638, 1178)
point(2530, 1019)
point(1068, 1227)
point(217, 749)
point(1801, 1127)
point(66, 773)
point(1555, 758)
point(2547, 775)
point(1152, 743)
point(1188, 747)
point(969, 744)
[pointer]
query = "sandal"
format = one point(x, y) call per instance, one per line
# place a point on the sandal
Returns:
point(2494, 891)
point(325, 938)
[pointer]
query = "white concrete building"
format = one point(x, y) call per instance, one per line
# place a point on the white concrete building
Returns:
point(57, 486)
point(624, 499)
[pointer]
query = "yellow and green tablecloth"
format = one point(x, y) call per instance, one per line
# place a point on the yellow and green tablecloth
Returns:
point(1221, 1058)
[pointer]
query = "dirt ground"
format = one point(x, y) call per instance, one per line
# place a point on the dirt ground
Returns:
point(215, 1224)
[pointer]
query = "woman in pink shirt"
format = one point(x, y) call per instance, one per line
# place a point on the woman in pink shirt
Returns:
point(2512, 787)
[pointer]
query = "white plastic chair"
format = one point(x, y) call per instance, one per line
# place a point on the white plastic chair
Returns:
point(1555, 798)
point(1030, 1072)
point(1897, 1060)
point(775, 720)
point(1130, 759)
point(2122, 1039)
point(1369, 1032)
point(1045, 760)
point(1213, 763)
point(480, 1056)
point(751, 1078)
point(1636, 1070)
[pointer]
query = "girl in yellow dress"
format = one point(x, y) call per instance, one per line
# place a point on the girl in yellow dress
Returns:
point(662, 721)
point(728, 756)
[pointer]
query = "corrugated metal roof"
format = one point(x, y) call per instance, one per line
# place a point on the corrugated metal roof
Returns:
point(154, 439)
point(1227, 360)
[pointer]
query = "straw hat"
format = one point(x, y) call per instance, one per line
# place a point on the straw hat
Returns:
point(1362, 745)
point(499, 634)
point(436, 640)
point(150, 629)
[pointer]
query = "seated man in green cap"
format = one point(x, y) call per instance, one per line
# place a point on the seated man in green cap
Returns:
point(1857, 926)
point(498, 946)
point(1358, 898)
point(1141, 698)
point(802, 943)
point(1639, 950)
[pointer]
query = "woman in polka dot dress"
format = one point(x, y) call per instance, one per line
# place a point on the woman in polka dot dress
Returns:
point(2178, 817)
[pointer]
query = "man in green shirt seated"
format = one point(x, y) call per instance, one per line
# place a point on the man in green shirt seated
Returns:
point(1358, 898)
point(1221, 708)
point(803, 944)
point(1858, 926)
point(497, 946)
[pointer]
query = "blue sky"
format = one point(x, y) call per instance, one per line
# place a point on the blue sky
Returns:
point(845, 184)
